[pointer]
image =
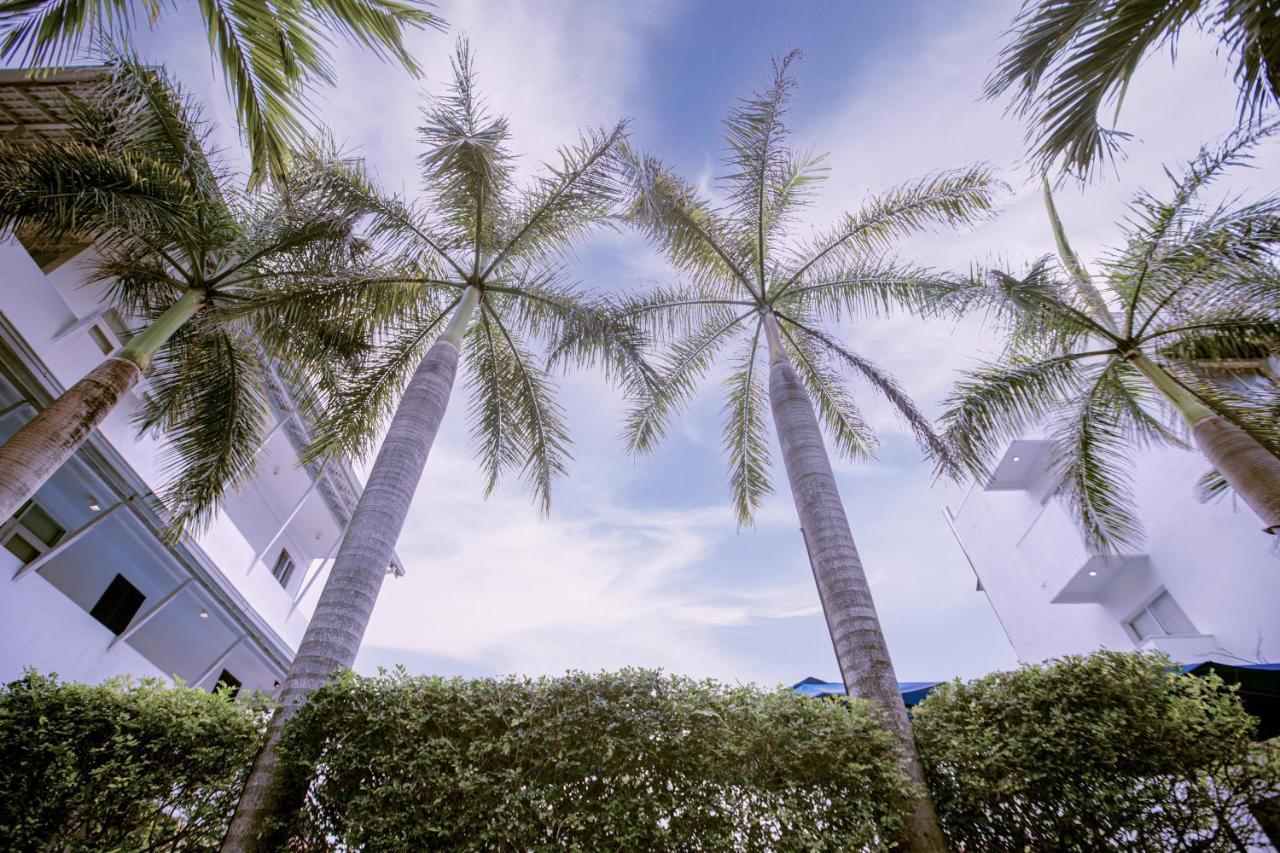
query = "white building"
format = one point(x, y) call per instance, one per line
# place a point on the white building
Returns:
point(90, 588)
point(1206, 586)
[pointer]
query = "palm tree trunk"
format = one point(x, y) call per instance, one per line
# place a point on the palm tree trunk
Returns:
point(42, 445)
point(337, 627)
point(1251, 469)
point(855, 631)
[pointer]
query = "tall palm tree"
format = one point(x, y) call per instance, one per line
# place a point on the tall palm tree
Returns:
point(1066, 61)
point(747, 283)
point(480, 272)
point(176, 245)
point(270, 53)
point(1092, 357)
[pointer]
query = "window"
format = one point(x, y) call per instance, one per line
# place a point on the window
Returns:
point(118, 605)
point(229, 683)
point(109, 332)
point(31, 532)
point(1162, 617)
point(283, 569)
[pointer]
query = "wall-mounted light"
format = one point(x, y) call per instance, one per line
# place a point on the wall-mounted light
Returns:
point(204, 614)
point(1093, 574)
point(1017, 459)
point(94, 506)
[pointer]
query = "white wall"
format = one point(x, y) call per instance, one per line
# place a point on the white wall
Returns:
point(41, 307)
point(1213, 559)
point(45, 630)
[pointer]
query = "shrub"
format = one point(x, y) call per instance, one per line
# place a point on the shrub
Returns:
point(1107, 752)
point(632, 760)
point(122, 766)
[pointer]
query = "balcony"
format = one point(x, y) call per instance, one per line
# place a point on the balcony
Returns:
point(1025, 466)
point(1088, 583)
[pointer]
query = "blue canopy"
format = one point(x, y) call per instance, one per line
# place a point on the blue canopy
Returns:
point(1257, 685)
point(913, 692)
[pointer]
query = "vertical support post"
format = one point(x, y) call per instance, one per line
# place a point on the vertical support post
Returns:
point(302, 591)
point(69, 540)
point(218, 661)
point(139, 620)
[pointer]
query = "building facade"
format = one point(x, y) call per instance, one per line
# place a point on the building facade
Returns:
point(1206, 585)
point(92, 589)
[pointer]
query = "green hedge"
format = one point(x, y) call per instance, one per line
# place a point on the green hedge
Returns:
point(122, 766)
point(634, 760)
point(1107, 752)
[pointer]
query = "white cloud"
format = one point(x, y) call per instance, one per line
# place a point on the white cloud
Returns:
point(608, 583)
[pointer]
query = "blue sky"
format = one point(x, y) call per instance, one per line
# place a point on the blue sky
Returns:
point(641, 563)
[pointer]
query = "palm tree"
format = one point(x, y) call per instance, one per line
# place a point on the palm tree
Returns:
point(1090, 357)
point(479, 272)
point(177, 246)
point(1067, 60)
point(270, 53)
point(746, 283)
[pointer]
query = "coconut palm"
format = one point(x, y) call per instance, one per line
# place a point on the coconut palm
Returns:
point(270, 53)
point(481, 267)
point(748, 285)
point(177, 246)
point(1067, 60)
point(1092, 358)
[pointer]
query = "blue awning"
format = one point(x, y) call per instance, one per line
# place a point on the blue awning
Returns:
point(912, 691)
point(1258, 686)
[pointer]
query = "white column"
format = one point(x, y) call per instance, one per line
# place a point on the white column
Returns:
point(142, 619)
point(218, 662)
point(302, 591)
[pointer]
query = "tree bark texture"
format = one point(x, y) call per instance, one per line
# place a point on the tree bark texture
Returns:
point(337, 627)
point(42, 445)
point(859, 643)
point(1252, 471)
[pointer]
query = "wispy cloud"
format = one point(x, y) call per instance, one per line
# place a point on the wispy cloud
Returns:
point(641, 563)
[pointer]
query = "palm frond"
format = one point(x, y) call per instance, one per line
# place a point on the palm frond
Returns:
point(1092, 461)
point(578, 329)
point(687, 360)
point(137, 277)
point(1254, 414)
point(1063, 62)
point(692, 235)
point(54, 32)
point(536, 419)
point(68, 188)
point(561, 207)
point(947, 198)
point(1088, 293)
point(870, 289)
point(673, 310)
point(490, 373)
point(1232, 338)
point(762, 178)
point(884, 384)
point(1212, 486)
point(368, 396)
point(839, 414)
point(995, 403)
point(746, 436)
point(1164, 236)
point(466, 165)
point(208, 394)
